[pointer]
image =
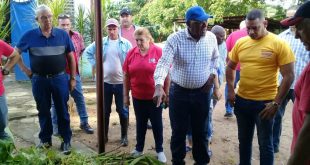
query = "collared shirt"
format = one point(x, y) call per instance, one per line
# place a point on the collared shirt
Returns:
point(123, 44)
point(192, 61)
point(302, 56)
point(78, 42)
point(222, 62)
point(46, 55)
point(5, 50)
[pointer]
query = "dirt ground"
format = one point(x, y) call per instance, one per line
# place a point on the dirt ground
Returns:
point(224, 145)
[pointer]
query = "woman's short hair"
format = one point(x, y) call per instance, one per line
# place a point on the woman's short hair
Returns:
point(144, 31)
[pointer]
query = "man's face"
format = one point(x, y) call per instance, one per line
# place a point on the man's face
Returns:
point(220, 37)
point(197, 29)
point(303, 33)
point(256, 28)
point(45, 19)
point(126, 20)
point(112, 32)
point(65, 24)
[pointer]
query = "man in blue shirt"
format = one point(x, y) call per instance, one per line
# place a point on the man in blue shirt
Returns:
point(49, 48)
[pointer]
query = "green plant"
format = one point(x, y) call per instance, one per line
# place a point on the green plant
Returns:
point(58, 7)
point(80, 20)
point(4, 25)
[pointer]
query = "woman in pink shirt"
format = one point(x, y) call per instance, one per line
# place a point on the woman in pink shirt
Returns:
point(139, 67)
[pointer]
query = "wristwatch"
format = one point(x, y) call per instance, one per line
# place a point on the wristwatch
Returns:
point(72, 78)
point(275, 104)
point(5, 71)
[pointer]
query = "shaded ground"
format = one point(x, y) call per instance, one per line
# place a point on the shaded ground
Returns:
point(24, 125)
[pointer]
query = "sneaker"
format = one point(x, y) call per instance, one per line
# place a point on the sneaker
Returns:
point(124, 141)
point(136, 153)
point(87, 129)
point(65, 148)
point(44, 145)
point(227, 114)
point(161, 157)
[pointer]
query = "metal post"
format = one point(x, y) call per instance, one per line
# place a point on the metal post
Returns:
point(99, 78)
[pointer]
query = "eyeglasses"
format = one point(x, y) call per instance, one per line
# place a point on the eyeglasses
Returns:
point(63, 16)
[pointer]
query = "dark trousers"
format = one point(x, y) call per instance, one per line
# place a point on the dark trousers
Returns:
point(145, 110)
point(277, 127)
point(43, 89)
point(247, 113)
point(189, 106)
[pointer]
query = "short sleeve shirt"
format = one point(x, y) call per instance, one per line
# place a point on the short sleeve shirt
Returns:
point(5, 50)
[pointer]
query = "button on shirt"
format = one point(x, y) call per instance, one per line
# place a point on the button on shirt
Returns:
point(302, 56)
point(192, 61)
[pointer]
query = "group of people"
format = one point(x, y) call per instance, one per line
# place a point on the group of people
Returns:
point(185, 75)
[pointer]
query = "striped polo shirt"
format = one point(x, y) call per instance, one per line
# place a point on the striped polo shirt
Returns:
point(47, 55)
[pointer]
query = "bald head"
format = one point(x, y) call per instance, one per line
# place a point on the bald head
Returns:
point(219, 32)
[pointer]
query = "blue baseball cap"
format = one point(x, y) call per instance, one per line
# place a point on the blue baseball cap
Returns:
point(301, 13)
point(197, 13)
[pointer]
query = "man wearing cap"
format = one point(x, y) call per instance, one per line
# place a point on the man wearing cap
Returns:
point(261, 54)
point(127, 28)
point(115, 49)
point(301, 111)
point(302, 58)
point(193, 54)
point(77, 94)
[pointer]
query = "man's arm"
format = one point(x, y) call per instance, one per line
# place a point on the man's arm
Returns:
point(12, 60)
point(230, 78)
point(90, 54)
point(287, 72)
point(72, 67)
point(22, 66)
point(126, 88)
point(301, 154)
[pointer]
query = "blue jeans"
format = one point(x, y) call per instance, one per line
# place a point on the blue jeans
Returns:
point(247, 112)
point(79, 100)
point(277, 127)
point(229, 108)
point(144, 110)
point(117, 91)
point(189, 105)
point(43, 89)
point(3, 116)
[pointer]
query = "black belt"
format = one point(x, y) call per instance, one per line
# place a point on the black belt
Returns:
point(49, 75)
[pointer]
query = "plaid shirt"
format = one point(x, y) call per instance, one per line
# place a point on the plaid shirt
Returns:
point(192, 61)
point(301, 54)
point(78, 42)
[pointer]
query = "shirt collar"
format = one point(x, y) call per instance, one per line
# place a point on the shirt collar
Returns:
point(53, 33)
point(188, 35)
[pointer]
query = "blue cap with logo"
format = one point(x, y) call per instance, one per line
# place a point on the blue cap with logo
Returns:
point(197, 13)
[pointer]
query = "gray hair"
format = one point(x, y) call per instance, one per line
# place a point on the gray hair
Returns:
point(42, 8)
point(217, 29)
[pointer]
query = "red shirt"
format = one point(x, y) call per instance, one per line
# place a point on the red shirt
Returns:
point(140, 70)
point(233, 38)
point(79, 47)
point(6, 50)
point(301, 103)
point(129, 35)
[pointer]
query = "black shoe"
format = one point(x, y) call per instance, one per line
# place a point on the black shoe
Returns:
point(86, 127)
point(228, 114)
point(44, 145)
point(65, 148)
point(124, 141)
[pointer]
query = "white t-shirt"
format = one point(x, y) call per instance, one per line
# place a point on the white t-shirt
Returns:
point(113, 73)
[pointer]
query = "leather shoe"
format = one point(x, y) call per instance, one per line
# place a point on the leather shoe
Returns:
point(65, 148)
point(43, 145)
point(87, 129)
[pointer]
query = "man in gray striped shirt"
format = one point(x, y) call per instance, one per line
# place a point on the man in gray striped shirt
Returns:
point(193, 54)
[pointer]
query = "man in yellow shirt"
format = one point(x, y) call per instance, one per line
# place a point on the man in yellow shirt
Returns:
point(261, 54)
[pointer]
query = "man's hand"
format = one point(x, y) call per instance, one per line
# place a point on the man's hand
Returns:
point(72, 84)
point(159, 95)
point(269, 111)
point(126, 101)
point(209, 84)
point(217, 94)
point(231, 97)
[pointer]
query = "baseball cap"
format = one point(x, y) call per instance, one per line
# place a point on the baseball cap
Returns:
point(125, 11)
point(301, 13)
point(112, 21)
point(196, 13)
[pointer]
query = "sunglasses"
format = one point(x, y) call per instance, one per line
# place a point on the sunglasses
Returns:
point(63, 16)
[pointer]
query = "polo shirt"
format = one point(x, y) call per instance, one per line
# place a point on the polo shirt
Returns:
point(47, 55)
point(5, 50)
